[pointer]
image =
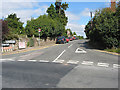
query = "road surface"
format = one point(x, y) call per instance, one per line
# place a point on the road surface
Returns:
point(72, 65)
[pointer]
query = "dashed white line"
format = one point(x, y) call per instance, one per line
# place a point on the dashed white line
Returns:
point(59, 55)
point(32, 60)
point(116, 66)
point(6, 59)
point(58, 61)
point(87, 63)
point(43, 61)
point(21, 60)
point(70, 46)
point(103, 64)
point(72, 62)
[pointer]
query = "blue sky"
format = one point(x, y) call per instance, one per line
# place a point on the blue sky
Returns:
point(78, 13)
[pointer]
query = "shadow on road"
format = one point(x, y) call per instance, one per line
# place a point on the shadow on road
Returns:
point(88, 45)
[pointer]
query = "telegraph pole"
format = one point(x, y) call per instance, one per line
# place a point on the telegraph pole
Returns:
point(91, 18)
point(59, 5)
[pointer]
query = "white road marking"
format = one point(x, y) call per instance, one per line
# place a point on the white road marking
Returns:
point(21, 60)
point(116, 66)
point(43, 61)
point(70, 46)
point(6, 59)
point(32, 60)
point(78, 50)
point(87, 63)
point(59, 55)
point(72, 62)
point(103, 64)
point(58, 61)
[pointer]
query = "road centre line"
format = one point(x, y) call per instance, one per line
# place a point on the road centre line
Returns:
point(70, 46)
point(60, 55)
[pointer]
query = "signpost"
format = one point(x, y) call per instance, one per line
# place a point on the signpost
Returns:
point(39, 30)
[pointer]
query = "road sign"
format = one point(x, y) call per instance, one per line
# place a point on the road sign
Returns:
point(39, 30)
point(22, 45)
point(10, 41)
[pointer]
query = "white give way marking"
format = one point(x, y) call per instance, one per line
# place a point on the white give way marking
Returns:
point(78, 50)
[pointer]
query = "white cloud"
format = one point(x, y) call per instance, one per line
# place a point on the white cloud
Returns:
point(24, 10)
point(86, 12)
point(72, 16)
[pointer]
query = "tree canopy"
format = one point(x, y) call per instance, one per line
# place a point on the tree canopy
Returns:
point(104, 29)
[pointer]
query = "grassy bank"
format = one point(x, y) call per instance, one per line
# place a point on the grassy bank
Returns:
point(113, 50)
point(98, 46)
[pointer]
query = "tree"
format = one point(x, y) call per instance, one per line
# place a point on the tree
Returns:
point(5, 29)
point(51, 11)
point(52, 25)
point(74, 33)
point(104, 29)
point(14, 24)
point(118, 21)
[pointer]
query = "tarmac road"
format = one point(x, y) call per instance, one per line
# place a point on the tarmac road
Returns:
point(72, 65)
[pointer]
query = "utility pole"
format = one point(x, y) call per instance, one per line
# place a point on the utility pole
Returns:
point(91, 18)
point(59, 5)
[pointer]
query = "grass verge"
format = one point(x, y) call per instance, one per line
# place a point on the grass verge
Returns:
point(113, 50)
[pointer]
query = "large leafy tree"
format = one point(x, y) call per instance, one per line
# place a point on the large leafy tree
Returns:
point(52, 25)
point(118, 19)
point(14, 24)
point(103, 29)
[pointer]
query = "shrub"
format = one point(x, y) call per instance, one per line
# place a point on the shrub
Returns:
point(28, 44)
point(31, 43)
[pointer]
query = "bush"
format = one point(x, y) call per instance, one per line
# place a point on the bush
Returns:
point(28, 44)
point(31, 43)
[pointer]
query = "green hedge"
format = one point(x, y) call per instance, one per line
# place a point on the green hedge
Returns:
point(31, 43)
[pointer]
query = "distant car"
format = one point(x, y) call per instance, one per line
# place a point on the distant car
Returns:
point(70, 38)
point(76, 38)
point(73, 38)
point(60, 40)
point(67, 39)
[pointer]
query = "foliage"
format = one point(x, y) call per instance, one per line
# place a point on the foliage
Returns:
point(14, 24)
point(80, 37)
point(104, 29)
point(113, 50)
point(28, 44)
point(5, 29)
point(52, 25)
point(31, 42)
point(74, 33)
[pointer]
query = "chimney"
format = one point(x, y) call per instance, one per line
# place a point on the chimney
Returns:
point(113, 5)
